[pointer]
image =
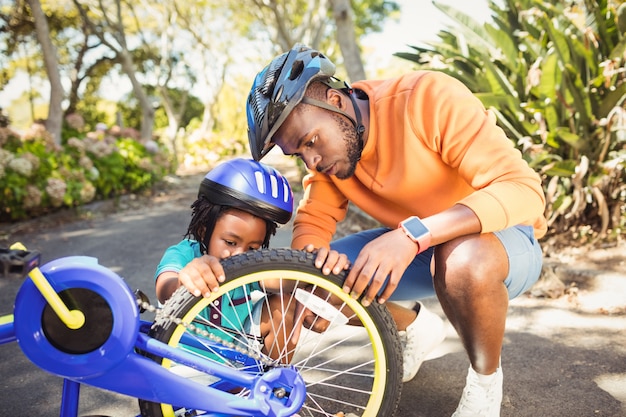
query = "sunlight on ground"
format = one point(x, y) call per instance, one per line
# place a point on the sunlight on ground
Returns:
point(614, 384)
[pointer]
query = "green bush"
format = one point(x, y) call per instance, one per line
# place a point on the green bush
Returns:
point(37, 176)
point(554, 73)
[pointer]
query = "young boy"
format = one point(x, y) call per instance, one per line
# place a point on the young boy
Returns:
point(238, 207)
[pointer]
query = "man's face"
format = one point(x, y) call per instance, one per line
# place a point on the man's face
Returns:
point(324, 140)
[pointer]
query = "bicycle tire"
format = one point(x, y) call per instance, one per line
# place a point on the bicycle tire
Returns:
point(361, 387)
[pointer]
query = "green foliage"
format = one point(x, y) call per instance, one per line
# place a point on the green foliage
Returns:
point(18, 37)
point(37, 176)
point(370, 15)
point(91, 106)
point(130, 109)
point(553, 73)
point(204, 149)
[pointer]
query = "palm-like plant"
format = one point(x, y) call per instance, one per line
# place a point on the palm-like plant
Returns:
point(555, 76)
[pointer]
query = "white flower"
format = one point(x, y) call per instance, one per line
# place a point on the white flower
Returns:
point(32, 198)
point(56, 190)
point(100, 149)
point(86, 162)
point(21, 165)
point(75, 121)
point(87, 193)
point(76, 143)
point(5, 157)
point(33, 159)
point(94, 174)
point(151, 146)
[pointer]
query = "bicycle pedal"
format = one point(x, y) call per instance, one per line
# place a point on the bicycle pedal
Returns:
point(17, 263)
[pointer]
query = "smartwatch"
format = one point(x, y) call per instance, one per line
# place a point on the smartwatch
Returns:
point(417, 232)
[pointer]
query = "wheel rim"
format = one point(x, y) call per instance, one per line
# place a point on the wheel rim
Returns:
point(374, 390)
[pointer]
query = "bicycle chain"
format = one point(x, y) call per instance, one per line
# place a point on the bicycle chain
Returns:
point(146, 306)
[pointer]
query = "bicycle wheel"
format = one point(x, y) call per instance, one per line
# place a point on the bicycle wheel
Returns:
point(349, 355)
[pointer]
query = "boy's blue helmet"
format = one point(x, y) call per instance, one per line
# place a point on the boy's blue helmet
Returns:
point(279, 88)
point(250, 186)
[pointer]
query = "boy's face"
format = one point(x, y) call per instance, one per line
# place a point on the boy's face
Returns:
point(236, 231)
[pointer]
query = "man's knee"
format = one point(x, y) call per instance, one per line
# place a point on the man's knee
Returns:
point(470, 263)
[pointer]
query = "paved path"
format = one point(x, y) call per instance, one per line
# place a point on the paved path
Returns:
point(558, 361)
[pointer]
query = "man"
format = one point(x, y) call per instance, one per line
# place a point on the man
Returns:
point(420, 154)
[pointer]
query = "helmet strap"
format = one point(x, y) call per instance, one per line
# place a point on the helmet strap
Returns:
point(358, 124)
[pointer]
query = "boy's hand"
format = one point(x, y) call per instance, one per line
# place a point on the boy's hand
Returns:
point(202, 275)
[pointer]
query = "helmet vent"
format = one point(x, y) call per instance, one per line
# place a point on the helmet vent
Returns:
point(296, 69)
point(260, 184)
point(270, 76)
point(274, 183)
point(275, 110)
point(255, 101)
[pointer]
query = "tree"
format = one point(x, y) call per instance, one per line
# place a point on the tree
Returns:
point(346, 37)
point(107, 23)
point(77, 52)
point(212, 51)
point(54, 122)
point(286, 22)
point(169, 45)
point(82, 71)
point(320, 24)
point(18, 46)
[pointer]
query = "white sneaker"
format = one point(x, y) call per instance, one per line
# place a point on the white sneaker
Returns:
point(480, 400)
point(419, 339)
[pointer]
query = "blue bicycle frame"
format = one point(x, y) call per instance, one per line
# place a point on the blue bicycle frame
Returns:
point(114, 363)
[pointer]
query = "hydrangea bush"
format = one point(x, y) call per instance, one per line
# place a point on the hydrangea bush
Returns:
point(38, 176)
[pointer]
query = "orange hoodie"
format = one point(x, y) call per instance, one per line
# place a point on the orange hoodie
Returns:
point(431, 145)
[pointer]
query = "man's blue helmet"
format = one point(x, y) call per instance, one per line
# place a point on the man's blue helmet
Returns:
point(250, 186)
point(279, 88)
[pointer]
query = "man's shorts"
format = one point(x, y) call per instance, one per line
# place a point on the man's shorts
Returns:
point(523, 250)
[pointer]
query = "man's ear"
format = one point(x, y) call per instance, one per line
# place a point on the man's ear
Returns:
point(336, 98)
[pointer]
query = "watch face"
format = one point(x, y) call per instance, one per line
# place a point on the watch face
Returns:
point(415, 226)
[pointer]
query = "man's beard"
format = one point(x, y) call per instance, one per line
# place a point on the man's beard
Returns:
point(354, 146)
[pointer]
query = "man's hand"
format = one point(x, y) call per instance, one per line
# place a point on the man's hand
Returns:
point(386, 256)
point(329, 260)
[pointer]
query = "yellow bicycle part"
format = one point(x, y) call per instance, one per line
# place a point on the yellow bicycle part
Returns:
point(73, 319)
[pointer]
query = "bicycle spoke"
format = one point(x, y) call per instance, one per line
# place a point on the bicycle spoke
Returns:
point(348, 355)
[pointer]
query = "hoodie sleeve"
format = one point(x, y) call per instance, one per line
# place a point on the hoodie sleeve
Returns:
point(321, 207)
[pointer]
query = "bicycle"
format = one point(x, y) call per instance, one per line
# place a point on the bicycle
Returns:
point(78, 320)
